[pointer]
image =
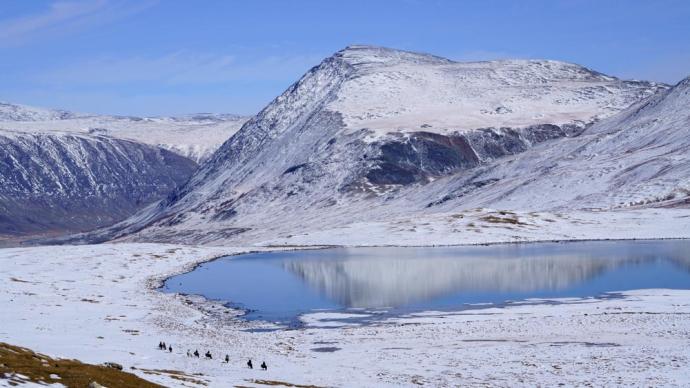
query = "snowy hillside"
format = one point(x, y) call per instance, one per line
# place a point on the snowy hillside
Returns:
point(193, 136)
point(637, 158)
point(373, 132)
point(53, 183)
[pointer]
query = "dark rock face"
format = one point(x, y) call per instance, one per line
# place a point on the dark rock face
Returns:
point(422, 154)
point(53, 183)
point(407, 159)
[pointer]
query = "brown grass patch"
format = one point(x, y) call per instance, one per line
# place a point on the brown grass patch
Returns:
point(176, 374)
point(502, 220)
point(38, 368)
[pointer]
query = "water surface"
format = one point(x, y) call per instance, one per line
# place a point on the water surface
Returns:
point(280, 286)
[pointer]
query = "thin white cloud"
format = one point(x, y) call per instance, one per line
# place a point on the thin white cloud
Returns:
point(64, 17)
point(178, 68)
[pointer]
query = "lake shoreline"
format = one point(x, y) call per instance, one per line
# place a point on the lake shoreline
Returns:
point(123, 325)
point(99, 303)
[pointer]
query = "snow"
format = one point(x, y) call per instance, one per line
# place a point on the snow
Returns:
point(98, 303)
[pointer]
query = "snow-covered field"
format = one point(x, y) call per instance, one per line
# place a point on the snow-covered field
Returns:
point(98, 303)
point(486, 226)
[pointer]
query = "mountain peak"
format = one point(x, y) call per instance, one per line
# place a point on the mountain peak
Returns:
point(367, 55)
point(364, 59)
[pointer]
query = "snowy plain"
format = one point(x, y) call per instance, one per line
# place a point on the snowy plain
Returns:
point(100, 303)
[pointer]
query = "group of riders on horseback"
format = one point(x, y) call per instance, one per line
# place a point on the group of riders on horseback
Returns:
point(164, 347)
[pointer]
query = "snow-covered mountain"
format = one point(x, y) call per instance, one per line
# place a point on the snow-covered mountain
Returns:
point(55, 183)
point(63, 172)
point(371, 132)
point(194, 136)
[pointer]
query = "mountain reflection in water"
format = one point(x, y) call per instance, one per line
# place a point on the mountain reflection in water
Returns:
point(279, 286)
point(389, 277)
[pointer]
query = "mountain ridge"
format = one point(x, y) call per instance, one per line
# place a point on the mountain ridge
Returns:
point(332, 142)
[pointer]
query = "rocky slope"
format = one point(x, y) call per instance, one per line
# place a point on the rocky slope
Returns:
point(372, 127)
point(55, 183)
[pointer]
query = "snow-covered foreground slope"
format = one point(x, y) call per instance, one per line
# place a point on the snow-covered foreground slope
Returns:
point(369, 127)
point(98, 304)
point(193, 136)
point(56, 183)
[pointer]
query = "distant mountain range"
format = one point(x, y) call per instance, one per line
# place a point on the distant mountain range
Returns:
point(194, 136)
point(66, 172)
point(374, 133)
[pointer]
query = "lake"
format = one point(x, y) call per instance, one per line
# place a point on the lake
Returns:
point(280, 286)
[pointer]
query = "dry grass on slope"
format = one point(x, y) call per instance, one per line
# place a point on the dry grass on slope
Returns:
point(19, 365)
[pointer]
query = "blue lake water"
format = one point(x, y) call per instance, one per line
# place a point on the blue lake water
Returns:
point(280, 286)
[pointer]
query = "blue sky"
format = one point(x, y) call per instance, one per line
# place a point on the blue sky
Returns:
point(149, 57)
